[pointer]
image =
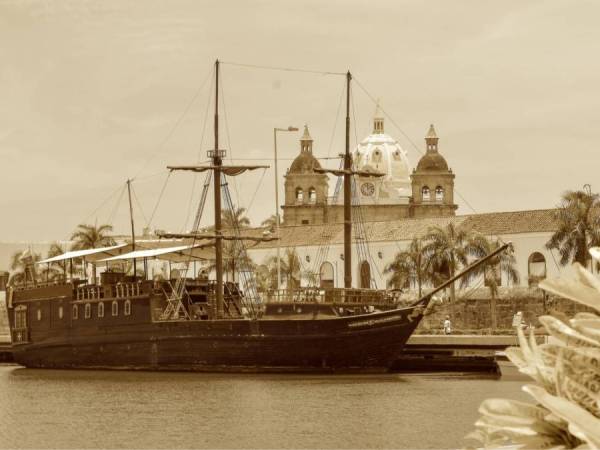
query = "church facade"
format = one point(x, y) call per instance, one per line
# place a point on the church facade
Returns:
point(426, 191)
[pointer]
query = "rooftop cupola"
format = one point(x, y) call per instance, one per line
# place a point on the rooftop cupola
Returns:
point(306, 141)
point(431, 140)
point(378, 120)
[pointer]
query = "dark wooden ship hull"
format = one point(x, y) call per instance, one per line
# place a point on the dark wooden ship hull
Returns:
point(364, 342)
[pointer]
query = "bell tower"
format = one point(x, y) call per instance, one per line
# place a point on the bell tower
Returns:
point(432, 182)
point(305, 190)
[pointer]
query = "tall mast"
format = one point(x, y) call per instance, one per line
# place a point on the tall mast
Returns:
point(348, 194)
point(217, 162)
point(132, 227)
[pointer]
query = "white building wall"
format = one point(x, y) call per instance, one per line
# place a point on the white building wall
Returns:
point(524, 245)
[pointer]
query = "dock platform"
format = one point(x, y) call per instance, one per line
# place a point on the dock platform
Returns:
point(453, 353)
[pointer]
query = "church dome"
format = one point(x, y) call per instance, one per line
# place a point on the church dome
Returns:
point(432, 162)
point(304, 163)
point(379, 152)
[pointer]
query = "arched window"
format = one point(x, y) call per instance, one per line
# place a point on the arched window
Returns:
point(60, 312)
point(439, 194)
point(101, 309)
point(426, 193)
point(365, 275)
point(127, 308)
point(326, 275)
point(75, 312)
point(536, 268)
point(299, 195)
point(39, 314)
point(115, 308)
point(87, 311)
point(312, 195)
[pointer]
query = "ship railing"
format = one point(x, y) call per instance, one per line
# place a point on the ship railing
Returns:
point(330, 295)
point(123, 290)
point(89, 292)
point(119, 290)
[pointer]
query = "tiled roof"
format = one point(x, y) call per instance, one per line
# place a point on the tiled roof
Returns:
point(512, 222)
point(532, 221)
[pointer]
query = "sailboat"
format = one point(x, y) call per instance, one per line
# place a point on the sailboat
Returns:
point(199, 324)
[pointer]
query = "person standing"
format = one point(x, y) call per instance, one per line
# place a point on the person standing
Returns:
point(447, 326)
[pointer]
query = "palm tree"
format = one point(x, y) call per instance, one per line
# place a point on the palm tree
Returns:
point(408, 266)
point(270, 223)
point(56, 270)
point(503, 263)
point(578, 219)
point(234, 219)
point(449, 249)
point(23, 262)
point(92, 236)
point(290, 267)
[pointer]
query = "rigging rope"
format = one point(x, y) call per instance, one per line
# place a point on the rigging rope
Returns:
point(175, 125)
point(138, 203)
point(284, 69)
point(160, 196)
point(116, 207)
point(247, 273)
point(198, 159)
point(230, 153)
point(337, 116)
point(256, 190)
point(120, 187)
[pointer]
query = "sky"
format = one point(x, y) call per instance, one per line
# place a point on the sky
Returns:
point(95, 93)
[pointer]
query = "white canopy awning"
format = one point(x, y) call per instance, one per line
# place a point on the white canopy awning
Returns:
point(180, 253)
point(90, 254)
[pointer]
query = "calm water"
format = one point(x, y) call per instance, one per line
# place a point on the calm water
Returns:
point(92, 409)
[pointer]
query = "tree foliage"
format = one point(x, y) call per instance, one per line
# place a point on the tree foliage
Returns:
point(578, 218)
point(91, 236)
point(409, 266)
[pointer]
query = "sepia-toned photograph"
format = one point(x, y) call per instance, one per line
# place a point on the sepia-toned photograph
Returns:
point(308, 224)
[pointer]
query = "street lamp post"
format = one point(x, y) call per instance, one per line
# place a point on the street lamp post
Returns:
point(277, 221)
